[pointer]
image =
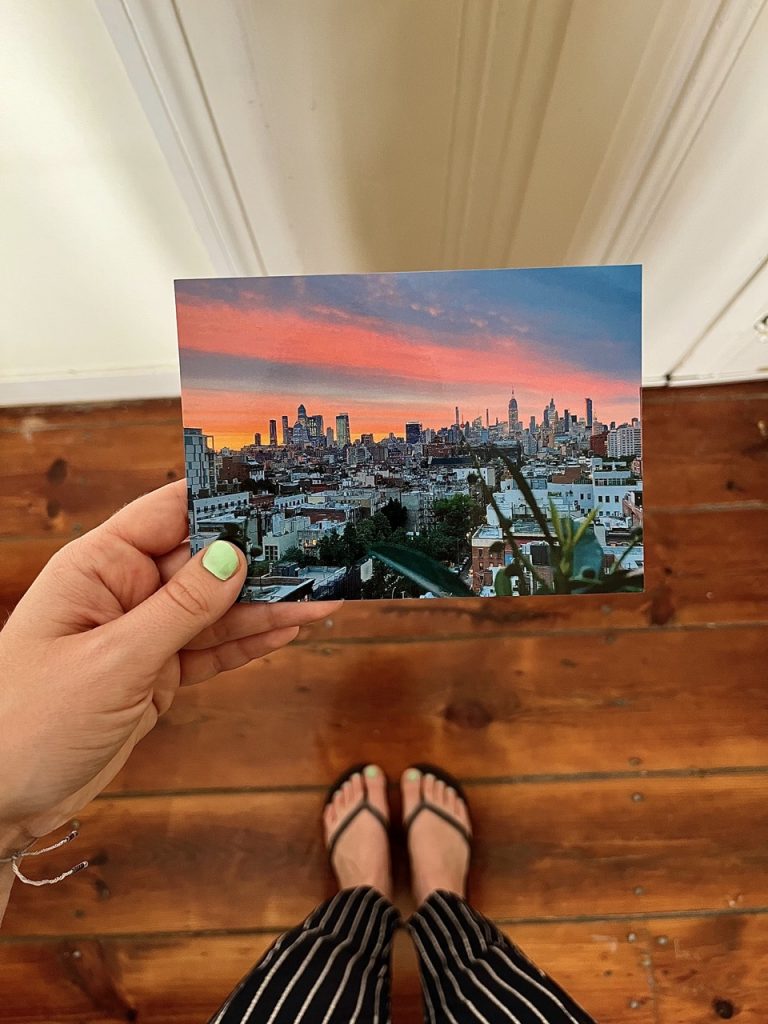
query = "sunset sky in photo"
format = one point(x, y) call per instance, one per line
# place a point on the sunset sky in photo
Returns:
point(386, 348)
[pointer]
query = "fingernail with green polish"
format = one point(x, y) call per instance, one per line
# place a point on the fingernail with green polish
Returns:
point(413, 775)
point(371, 771)
point(220, 559)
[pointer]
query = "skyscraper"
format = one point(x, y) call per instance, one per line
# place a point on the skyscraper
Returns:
point(532, 425)
point(301, 415)
point(257, 440)
point(623, 441)
point(199, 460)
point(286, 431)
point(457, 416)
point(567, 420)
point(342, 429)
point(299, 434)
point(273, 433)
point(315, 426)
point(513, 414)
point(412, 432)
point(329, 437)
point(589, 411)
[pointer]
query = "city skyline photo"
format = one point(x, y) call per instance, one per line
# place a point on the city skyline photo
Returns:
point(432, 434)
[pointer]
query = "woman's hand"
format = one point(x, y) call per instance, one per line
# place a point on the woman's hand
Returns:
point(101, 642)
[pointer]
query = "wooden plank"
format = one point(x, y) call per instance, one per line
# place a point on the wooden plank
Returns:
point(702, 969)
point(711, 969)
point(702, 567)
point(515, 706)
point(64, 482)
point(723, 422)
point(544, 850)
point(706, 446)
point(182, 979)
point(35, 419)
point(69, 468)
point(736, 391)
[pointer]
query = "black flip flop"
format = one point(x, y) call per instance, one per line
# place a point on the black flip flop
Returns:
point(366, 805)
point(425, 805)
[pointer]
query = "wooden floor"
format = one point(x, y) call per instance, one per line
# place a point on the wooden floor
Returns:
point(615, 750)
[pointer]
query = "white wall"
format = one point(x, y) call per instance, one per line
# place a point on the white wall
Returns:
point(94, 228)
point(310, 136)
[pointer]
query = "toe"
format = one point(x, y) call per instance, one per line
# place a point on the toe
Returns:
point(356, 790)
point(340, 804)
point(376, 787)
point(410, 786)
point(430, 782)
point(331, 819)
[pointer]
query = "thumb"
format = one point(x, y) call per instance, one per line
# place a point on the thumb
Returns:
point(192, 599)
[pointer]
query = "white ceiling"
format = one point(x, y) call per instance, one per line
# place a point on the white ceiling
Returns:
point(320, 136)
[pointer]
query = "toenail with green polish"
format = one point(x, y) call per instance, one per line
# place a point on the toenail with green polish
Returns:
point(220, 559)
point(371, 771)
point(413, 775)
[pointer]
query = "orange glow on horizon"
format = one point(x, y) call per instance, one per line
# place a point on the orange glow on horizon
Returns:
point(224, 413)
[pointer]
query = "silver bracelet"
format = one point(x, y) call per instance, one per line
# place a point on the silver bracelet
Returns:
point(26, 852)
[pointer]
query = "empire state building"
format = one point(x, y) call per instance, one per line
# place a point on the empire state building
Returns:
point(513, 415)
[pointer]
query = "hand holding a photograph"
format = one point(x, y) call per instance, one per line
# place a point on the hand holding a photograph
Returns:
point(96, 650)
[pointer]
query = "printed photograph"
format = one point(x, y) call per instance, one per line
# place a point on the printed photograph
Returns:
point(417, 435)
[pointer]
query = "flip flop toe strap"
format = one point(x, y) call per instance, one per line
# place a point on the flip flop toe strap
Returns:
point(425, 805)
point(364, 806)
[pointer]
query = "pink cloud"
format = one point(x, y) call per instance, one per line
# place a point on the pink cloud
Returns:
point(479, 369)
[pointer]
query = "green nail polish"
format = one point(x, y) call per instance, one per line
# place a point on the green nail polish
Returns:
point(220, 559)
point(413, 775)
point(371, 772)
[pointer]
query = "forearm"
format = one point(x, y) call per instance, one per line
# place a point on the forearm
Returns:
point(6, 883)
point(11, 841)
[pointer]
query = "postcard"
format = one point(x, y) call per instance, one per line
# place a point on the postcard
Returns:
point(471, 434)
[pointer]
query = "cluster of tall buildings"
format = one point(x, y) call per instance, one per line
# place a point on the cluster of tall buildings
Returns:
point(581, 431)
point(307, 429)
point(553, 430)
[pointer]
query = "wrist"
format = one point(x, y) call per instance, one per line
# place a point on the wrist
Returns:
point(13, 839)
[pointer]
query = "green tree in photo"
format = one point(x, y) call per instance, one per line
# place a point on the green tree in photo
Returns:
point(396, 513)
point(296, 554)
point(331, 550)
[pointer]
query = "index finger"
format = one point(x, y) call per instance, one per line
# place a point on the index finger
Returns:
point(250, 619)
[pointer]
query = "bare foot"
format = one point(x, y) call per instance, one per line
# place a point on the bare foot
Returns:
point(439, 853)
point(361, 855)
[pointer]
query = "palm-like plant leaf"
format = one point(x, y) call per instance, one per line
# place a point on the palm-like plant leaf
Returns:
point(423, 570)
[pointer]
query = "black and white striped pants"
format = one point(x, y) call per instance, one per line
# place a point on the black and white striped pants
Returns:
point(335, 969)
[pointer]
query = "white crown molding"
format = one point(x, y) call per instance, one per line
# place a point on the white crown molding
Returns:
point(153, 43)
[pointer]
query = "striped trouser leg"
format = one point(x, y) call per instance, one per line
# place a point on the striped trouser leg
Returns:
point(472, 974)
point(332, 969)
